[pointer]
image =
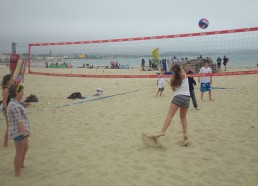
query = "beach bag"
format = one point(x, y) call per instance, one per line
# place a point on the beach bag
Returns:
point(32, 98)
point(75, 95)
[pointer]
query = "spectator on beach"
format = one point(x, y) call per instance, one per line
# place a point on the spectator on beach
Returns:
point(181, 100)
point(219, 64)
point(191, 83)
point(164, 64)
point(143, 65)
point(150, 63)
point(117, 65)
point(6, 83)
point(160, 83)
point(205, 81)
point(154, 66)
point(19, 128)
point(225, 61)
point(168, 64)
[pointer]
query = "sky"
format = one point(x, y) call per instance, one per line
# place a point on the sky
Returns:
point(37, 21)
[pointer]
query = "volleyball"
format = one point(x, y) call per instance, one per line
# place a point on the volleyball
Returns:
point(203, 23)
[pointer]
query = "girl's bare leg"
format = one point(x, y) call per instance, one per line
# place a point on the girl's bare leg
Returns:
point(6, 131)
point(25, 149)
point(171, 112)
point(6, 137)
point(18, 158)
point(183, 112)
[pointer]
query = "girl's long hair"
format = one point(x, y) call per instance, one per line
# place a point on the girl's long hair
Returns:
point(6, 78)
point(176, 81)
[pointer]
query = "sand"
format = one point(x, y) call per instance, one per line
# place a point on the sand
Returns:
point(98, 142)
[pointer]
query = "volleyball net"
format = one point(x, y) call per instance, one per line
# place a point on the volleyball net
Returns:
point(143, 57)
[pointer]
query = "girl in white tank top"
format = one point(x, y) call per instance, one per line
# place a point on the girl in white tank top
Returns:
point(181, 100)
point(183, 89)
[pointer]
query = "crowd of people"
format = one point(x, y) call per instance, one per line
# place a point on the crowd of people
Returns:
point(225, 61)
point(164, 63)
point(167, 64)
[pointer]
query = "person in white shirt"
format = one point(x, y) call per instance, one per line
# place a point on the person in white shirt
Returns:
point(160, 83)
point(205, 81)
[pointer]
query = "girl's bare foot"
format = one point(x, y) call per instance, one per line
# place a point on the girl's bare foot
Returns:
point(159, 134)
point(150, 141)
point(185, 143)
point(18, 174)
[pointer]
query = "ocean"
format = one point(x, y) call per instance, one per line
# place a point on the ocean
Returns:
point(236, 59)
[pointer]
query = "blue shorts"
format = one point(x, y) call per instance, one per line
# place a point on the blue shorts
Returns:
point(205, 87)
point(19, 139)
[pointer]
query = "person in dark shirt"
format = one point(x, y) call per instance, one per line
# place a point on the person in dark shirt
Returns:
point(191, 83)
point(225, 61)
point(218, 64)
point(143, 64)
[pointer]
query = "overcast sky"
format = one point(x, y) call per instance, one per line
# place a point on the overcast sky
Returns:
point(34, 21)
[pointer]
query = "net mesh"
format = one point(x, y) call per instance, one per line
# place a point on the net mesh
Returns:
point(98, 56)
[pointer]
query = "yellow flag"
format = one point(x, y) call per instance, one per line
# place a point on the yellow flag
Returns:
point(82, 56)
point(155, 55)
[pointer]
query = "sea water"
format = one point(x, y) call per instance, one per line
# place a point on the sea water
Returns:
point(236, 59)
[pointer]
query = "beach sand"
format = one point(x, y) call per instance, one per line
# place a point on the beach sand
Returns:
point(98, 142)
